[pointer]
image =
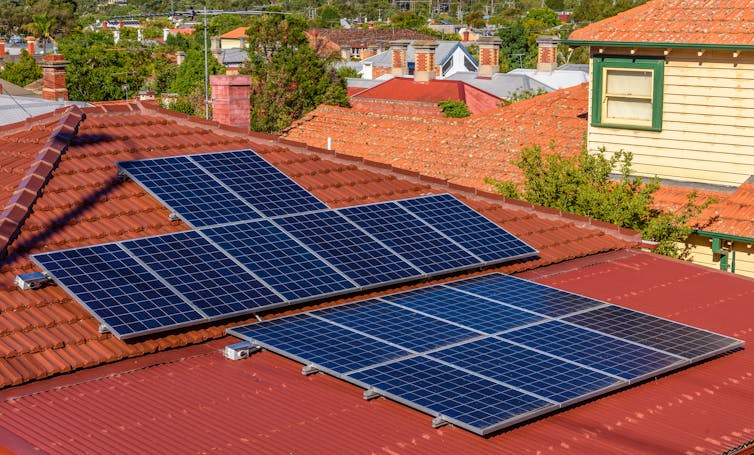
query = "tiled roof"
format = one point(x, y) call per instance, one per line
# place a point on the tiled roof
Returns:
point(721, 22)
point(191, 400)
point(45, 332)
point(461, 151)
point(361, 38)
point(235, 33)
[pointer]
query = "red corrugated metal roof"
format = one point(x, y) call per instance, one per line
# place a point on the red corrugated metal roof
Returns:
point(193, 400)
point(433, 91)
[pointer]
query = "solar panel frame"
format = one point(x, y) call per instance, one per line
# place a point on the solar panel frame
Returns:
point(193, 315)
point(557, 396)
point(231, 207)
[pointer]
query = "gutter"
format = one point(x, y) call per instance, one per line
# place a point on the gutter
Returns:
point(718, 249)
point(660, 45)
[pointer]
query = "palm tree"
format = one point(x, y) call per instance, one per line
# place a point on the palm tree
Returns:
point(42, 27)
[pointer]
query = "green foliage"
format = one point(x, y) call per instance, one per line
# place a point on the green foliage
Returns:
point(525, 94)
point(189, 77)
point(99, 70)
point(408, 19)
point(454, 109)
point(346, 71)
point(22, 72)
point(544, 16)
point(224, 23)
point(183, 104)
point(595, 10)
point(582, 185)
point(288, 78)
point(16, 15)
point(329, 17)
point(475, 19)
point(42, 27)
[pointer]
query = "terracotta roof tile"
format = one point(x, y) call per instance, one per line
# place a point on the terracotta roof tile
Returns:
point(722, 22)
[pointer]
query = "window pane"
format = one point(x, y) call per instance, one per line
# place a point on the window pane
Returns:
point(629, 109)
point(624, 82)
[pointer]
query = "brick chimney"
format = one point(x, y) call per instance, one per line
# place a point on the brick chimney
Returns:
point(424, 69)
point(548, 53)
point(31, 45)
point(53, 77)
point(398, 50)
point(2, 48)
point(230, 100)
point(489, 55)
point(370, 51)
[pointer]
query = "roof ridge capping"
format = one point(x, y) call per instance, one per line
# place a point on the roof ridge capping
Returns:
point(20, 205)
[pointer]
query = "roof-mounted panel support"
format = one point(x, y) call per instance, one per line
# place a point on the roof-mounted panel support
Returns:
point(32, 280)
point(174, 217)
point(439, 421)
point(239, 351)
point(370, 393)
point(309, 369)
point(103, 329)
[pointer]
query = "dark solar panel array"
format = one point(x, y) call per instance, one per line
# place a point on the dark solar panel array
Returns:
point(488, 352)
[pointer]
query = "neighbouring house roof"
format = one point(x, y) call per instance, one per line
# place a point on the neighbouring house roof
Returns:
point(443, 52)
point(503, 85)
point(235, 56)
point(9, 88)
point(236, 33)
point(361, 38)
point(19, 108)
point(461, 151)
point(560, 78)
point(733, 214)
point(433, 91)
point(699, 22)
point(193, 400)
point(45, 332)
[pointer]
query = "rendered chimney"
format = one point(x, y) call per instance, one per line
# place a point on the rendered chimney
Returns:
point(230, 100)
point(345, 52)
point(489, 55)
point(424, 66)
point(399, 66)
point(30, 45)
point(180, 57)
point(53, 77)
point(548, 53)
point(216, 49)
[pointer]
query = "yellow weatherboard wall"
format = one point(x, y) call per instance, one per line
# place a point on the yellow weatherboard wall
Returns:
point(740, 255)
point(707, 119)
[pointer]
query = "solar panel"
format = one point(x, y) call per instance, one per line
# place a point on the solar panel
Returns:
point(259, 183)
point(208, 278)
point(413, 239)
point(188, 191)
point(282, 262)
point(121, 293)
point(357, 255)
point(487, 352)
point(468, 228)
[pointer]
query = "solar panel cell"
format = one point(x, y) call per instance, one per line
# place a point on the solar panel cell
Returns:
point(118, 290)
point(354, 253)
point(202, 273)
point(189, 191)
point(468, 228)
point(259, 183)
point(422, 245)
point(280, 261)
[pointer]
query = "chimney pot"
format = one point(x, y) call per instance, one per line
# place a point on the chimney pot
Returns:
point(31, 45)
point(489, 55)
point(230, 99)
point(424, 60)
point(547, 59)
point(53, 77)
point(398, 51)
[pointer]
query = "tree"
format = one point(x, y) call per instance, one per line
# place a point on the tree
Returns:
point(42, 27)
point(288, 78)
point(189, 77)
point(454, 109)
point(407, 19)
point(582, 185)
point(22, 72)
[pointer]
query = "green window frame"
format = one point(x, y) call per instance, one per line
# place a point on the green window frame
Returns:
point(604, 68)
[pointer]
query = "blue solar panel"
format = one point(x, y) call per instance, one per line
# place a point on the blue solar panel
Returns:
point(610, 355)
point(279, 260)
point(468, 228)
point(188, 191)
point(476, 403)
point(405, 328)
point(202, 273)
point(423, 246)
point(682, 340)
point(319, 342)
point(342, 244)
point(524, 368)
point(526, 294)
point(474, 312)
point(259, 183)
point(118, 290)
